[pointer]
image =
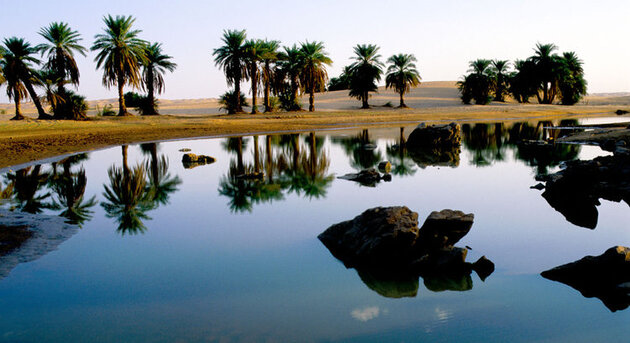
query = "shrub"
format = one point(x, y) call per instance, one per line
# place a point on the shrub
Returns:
point(228, 101)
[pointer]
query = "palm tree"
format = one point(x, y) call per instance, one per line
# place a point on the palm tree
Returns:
point(269, 56)
point(161, 184)
point(70, 191)
point(15, 87)
point(313, 73)
point(121, 53)
point(546, 61)
point(20, 74)
point(402, 75)
point(290, 63)
point(62, 43)
point(2, 79)
point(366, 72)
point(499, 70)
point(571, 83)
point(478, 84)
point(153, 69)
point(254, 50)
point(231, 57)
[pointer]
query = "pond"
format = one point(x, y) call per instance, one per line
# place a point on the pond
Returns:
point(156, 251)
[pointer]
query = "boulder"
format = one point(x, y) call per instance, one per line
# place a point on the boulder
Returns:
point(605, 277)
point(448, 135)
point(386, 243)
point(367, 177)
point(385, 167)
point(191, 160)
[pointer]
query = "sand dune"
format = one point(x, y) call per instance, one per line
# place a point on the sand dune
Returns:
point(437, 94)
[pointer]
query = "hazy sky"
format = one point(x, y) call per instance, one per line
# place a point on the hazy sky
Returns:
point(443, 35)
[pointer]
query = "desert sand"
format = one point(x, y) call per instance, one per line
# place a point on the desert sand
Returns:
point(432, 102)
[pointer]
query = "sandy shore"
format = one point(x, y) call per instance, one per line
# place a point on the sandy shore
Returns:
point(434, 102)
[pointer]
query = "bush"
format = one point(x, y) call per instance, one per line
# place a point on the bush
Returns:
point(274, 103)
point(228, 101)
point(147, 107)
point(107, 111)
point(288, 103)
point(133, 99)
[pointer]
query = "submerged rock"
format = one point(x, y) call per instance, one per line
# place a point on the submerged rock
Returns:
point(385, 167)
point(386, 243)
point(605, 277)
point(367, 177)
point(190, 160)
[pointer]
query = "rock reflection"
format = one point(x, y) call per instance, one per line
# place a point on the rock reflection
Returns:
point(606, 277)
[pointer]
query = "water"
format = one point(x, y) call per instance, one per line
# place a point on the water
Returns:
point(211, 257)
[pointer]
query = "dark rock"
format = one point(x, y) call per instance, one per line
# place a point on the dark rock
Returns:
point(609, 145)
point(367, 177)
point(576, 190)
point(620, 112)
point(444, 229)
point(387, 177)
point(184, 150)
point(385, 167)
point(483, 267)
point(435, 136)
point(190, 160)
point(605, 277)
point(386, 244)
point(539, 186)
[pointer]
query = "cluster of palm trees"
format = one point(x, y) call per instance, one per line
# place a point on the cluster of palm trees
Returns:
point(302, 69)
point(362, 76)
point(283, 73)
point(545, 75)
point(124, 58)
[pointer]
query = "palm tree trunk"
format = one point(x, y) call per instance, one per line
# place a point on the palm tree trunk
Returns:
point(154, 163)
point(151, 94)
point(237, 95)
point(266, 91)
point(18, 113)
point(269, 158)
point(239, 156)
point(402, 102)
point(311, 101)
point(254, 73)
point(122, 109)
point(38, 105)
point(364, 99)
point(126, 171)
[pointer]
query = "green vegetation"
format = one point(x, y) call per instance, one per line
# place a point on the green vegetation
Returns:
point(365, 72)
point(313, 70)
point(231, 58)
point(155, 64)
point(120, 54)
point(402, 75)
point(545, 75)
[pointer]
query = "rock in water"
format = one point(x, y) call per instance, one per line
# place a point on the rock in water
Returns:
point(367, 177)
point(385, 167)
point(604, 277)
point(435, 136)
point(390, 252)
point(190, 160)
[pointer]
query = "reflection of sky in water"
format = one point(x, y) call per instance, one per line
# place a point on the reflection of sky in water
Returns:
point(203, 273)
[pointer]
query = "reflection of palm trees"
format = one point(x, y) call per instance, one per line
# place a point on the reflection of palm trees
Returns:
point(236, 145)
point(27, 183)
point(70, 190)
point(398, 156)
point(486, 142)
point(361, 150)
point(161, 184)
point(311, 177)
point(127, 197)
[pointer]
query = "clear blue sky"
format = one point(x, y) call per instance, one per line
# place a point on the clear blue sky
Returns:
point(443, 35)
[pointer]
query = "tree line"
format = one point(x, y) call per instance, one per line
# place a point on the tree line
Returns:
point(288, 71)
point(546, 76)
point(124, 58)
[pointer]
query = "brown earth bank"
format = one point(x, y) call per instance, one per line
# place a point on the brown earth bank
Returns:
point(29, 140)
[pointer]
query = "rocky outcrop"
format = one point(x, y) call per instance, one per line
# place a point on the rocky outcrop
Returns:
point(606, 277)
point(386, 244)
point(435, 136)
point(190, 160)
point(575, 191)
point(367, 177)
point(436, 145)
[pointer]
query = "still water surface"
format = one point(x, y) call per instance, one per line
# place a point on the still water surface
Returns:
point(166, 253)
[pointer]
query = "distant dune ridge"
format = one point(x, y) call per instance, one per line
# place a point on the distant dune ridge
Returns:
point(434, 94)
